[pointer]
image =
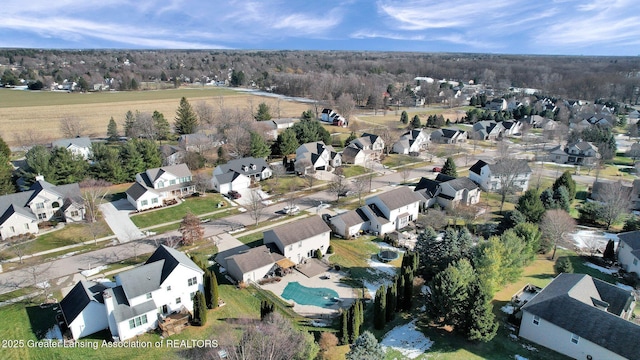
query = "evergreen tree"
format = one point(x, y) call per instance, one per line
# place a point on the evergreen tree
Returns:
point(287, 142)
point(432, 254)
point(259, 147)
point(379, 311)
point(482, 324)
point(307, 115)
point(609, 252)
point(547, 199)
point(449, 168)
point(344, 328)
point(488, 262)
point(211, 289)
point(132, 161)
point(356, 321)
point(149, 151)
point(222, 155)
point(567, 181)
point(400, 287)
point(107, 164)
point(514, 256)
point(266, 308)
point(392, 303)
point(264, 112)
point(561, 198)
point(310, 131)
point(130, 129)
point(415, 122)
point(6, 176)
point(408, 289)
point(366, 347)
point(186, 121)
point(199, 309)
point(112, 130)
point(404, 118)
point(67, 167)
point(162, 126)
point(564, 265)
point(350, 138)
point(5, 149)
point(530, 235)
point(530, 205)
point(448, 303)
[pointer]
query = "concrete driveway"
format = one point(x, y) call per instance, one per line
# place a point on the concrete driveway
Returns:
point(116, 214)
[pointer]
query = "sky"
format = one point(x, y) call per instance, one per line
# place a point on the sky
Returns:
point(556, 27)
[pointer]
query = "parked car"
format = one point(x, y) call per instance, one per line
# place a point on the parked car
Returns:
point(291, 209)
point(437, 169)
point(234, 194)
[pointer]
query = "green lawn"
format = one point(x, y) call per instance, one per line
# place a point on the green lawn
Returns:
point(11, 98)
point(252, 240)
point(353, 170)
point(394, 160)
point(352, 255)
point(196, 205)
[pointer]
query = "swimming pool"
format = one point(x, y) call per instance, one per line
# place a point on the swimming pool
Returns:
point(303, 295)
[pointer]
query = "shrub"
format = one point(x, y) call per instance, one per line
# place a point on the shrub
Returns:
point(330, 249)
point(318, 254)
point(563, 265)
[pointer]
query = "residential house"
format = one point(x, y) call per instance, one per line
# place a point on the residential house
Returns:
point(171, 155)
point(318, 156)
point(512, 127)
point(370, 143)
point(633, 117)
point(577, 153)
point(448, 191)
point(629, 251)
point(412, 142)
point(155, 186)
point(254, 264)
point(138, 300)
point(498, 104)
point(487, 130)
point(20, 213)
point(627, 193)
point(78, 146)
point(239, 174)
point(271, 128)
point(355, 155)
point(330, 116)
point(381, 214)
point(198, 142)
point(491, 177)
point(583, 318)
point(299, 240)
point(449, 136)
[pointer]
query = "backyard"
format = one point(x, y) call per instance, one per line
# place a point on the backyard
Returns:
point(197, 205)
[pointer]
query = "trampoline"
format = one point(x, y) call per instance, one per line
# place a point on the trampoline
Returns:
point(303, 295)
point(387, 255)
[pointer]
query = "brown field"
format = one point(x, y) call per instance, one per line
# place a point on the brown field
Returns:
point(37, 116)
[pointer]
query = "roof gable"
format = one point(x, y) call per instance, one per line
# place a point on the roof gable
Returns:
point(299, 230)
point(398, 198)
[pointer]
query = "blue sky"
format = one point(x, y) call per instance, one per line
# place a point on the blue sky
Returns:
point(562, 27)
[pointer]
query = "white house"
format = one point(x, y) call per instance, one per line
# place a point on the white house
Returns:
point(629, 251)
point(138, 300)
point(254, 264)
point(20, 213)
point(79, 146)
point(355, 155)
point(299, 240)
point(487, 130)
point(371, 143)
point(578, 153)
point(239, 174)
point(382, 214)
point(157, 185)
point(583, 318)
point(318, 156)
point(413, 141)
point(514, 173)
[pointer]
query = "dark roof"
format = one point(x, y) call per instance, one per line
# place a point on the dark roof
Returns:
point(520, 166)
point(295, 231)
point(569, 302)
point(462, 183)
point(79, 297)
point(239, 165)
point(428, 184)
point(227, 177)
point(398, 198)
point(168, 150)
point(254, 258)
point(137, 190)
point(477, 167)
point(602, 188)
point(631, 238)
point(353, 217)
point(172, 258)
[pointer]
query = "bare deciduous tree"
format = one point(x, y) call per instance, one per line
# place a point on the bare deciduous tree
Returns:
point(205, 112)
point(71, 127)
point(191, 229)
point(255, 206)
point(360, 186)
point(202, 182)
point(338, 186)
point(346, 106)
point(615, 200)
point(434, 218)
point(555, 225)
point(405, 172)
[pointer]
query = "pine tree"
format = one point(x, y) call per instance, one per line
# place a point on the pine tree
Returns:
point(211, 289)
point(287, 142)
point(392, 293)
point(266, 308)
point(400, 286)
point(264, 112)
point(481, 324)
point(132, 160)
point(130, 130)
point(379, 310)
point(344, 328)
point(366, 347)
point(356, 321)
point(530, 205)
point(404, 118)
point(415, 122)
point(609, 252)
point(567, 181)
point(186, 121)
point(259, 148)
point(162, 126)
point(5, 149)
point(199, 309)
point(6, 176)
point(112, 130)
point(449, 168)
point(408, 289)
point(350, 138)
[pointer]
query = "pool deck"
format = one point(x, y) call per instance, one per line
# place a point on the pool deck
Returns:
point(344, 292)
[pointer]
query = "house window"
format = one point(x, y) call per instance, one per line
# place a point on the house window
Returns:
point(160, 184)
point(178, 300)
point(75, 213)
point(291, 248)
point(172, 182)
point(635, 261)
point(192, 281)
point(536, 320)
point(149, 296)
point(26, 226)
point(575, 338)
point(39, 205)
point(192, 295)
point(154, 200)
point(137, 321)
point(144, 202)
point(42, 216)
point(55, 205)
point(300, 244)
point(169, 288)
point(12, 229)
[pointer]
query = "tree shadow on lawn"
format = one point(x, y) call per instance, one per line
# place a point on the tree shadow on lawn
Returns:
point(41, 318)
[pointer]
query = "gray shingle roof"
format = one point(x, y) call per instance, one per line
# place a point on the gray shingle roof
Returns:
point(179, 170)
point(296, 231)
point(399, 197)
point(568, 302)
point(254, 258)
point(142, 279)
point(79, 297)
point(354, 217)
point(520, 166)
point(632, 239)
point(238, 165)
point(79, 142)
point(123, 311)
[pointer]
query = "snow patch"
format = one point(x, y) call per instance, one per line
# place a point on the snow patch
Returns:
point(585, 239)
point(383, 267)
point(518, 357)
point(407, 339)
point(54, 333)
point(508, 309)
point(93, 271)
point(625, 287)
point(318, 324)
point(513, 337)
point(601, 269)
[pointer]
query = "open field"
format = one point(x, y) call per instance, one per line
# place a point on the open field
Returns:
point(37, 115)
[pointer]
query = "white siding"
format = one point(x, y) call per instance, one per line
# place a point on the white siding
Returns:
point(626, 259)
point(91, 320)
